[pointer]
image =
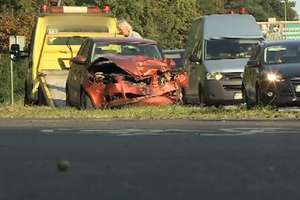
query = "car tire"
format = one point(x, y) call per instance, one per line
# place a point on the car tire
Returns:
point(85, 101)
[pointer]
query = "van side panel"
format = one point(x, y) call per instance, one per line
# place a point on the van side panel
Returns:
point(57, 57)
point(194, 47)
point(193, 37)
point(46, 57)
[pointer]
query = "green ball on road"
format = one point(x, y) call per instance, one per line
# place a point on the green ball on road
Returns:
point(63, 165)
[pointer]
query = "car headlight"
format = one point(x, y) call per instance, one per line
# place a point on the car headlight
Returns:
point(214, 76)
point(274, 77)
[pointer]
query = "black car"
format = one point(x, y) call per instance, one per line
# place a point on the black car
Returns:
point(272, 75)
point(175, 54)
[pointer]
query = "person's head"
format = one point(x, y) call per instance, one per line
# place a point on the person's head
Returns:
point(124, 27)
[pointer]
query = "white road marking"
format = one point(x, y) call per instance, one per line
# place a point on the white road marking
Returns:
point(136, 132)
point(164, 132)
point(234, 132)
point(64, 129)
point(48, 131)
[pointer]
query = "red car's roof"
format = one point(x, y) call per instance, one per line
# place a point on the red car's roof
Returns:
point(124, 40)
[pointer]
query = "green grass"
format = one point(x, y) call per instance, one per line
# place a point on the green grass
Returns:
point(143, 113)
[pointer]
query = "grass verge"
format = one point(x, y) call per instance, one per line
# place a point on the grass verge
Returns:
point(144, 113)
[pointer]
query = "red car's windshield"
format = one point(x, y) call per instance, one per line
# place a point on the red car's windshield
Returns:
point(127, 49)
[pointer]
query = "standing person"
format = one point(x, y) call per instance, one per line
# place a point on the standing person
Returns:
point(126, 29)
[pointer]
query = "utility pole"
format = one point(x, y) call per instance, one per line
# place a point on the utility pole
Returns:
point(285, 10)
point(11, 80)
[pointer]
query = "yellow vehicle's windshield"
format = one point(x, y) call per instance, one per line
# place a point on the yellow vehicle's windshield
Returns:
point(65, 40)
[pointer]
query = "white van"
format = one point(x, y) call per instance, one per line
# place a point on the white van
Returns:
point(217, 51)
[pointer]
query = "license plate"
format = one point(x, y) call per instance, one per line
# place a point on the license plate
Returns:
point(297, 88)
point(239, 95)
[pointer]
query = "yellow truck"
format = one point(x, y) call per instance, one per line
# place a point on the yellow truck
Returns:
point(58, 34)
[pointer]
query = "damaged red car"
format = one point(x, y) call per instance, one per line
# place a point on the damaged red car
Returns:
point(114, 72)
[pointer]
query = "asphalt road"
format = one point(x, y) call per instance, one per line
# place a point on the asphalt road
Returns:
point(155, 160)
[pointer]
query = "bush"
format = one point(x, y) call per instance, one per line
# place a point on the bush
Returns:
point(22, 24)
point(19, 78)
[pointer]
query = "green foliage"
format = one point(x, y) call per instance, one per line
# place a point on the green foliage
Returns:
point(167, 22)
point(148, 113)
point(20, 24)
point(209, 7)
point(20, 68)
point(262, 10)
point(29, 6)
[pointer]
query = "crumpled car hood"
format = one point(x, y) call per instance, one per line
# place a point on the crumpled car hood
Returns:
point(139, 67)
point(115, 80)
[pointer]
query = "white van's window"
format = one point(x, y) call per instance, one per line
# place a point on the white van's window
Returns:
point(229, 49)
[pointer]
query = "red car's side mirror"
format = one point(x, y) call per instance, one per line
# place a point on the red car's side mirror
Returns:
point(79, 60)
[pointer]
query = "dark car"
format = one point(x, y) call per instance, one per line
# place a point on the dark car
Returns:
point(113, 72)
point(177, 55)
point(272, 75)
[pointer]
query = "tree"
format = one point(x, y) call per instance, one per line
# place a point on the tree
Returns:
point(262, 10)
point(166, 21)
